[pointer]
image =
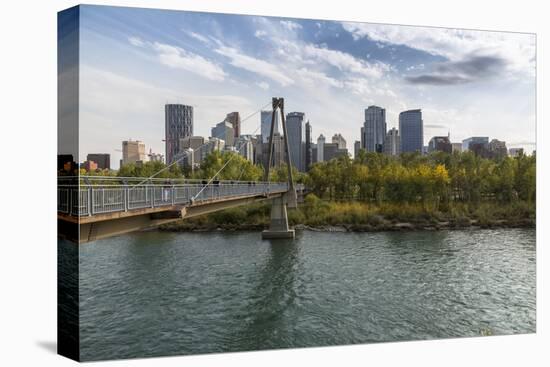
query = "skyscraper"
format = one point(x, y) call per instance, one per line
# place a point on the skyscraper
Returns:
point(133, 151)
point(296, 137)
point(245, 147)
point(339, 140)
point(374, 129)
point(498, 149)
point(392, 143)
point(479, 140)
point(235, 120)
point(320, 148)
point(266, 125)
point(224, 130)
point(411, 129)
point(308, 147)
point(440, 143)
point(356, 148)
point(194, 144)
point(178, 124)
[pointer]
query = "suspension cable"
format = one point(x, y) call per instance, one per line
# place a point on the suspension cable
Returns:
point(225, 165)
point(199, 148)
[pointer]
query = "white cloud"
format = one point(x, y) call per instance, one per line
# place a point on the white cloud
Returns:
point(198, 37)
point(318, 78)
point(136, 41)
point(517, 48)
point(344, 61)
point(260, 33)
point(263, 85)
point(255, 65)
point(176, 57)
point(290, 25)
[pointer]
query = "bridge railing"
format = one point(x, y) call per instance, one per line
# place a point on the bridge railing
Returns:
point(108, 196)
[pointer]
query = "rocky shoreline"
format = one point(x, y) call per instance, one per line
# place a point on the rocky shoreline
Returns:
point(380, 227)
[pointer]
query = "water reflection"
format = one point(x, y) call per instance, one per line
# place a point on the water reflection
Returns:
point(155, 293)
point(274, 292)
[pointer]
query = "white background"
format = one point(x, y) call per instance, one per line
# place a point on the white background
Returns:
point(28, 109)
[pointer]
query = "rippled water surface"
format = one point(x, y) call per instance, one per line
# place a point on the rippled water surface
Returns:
point(156, 293)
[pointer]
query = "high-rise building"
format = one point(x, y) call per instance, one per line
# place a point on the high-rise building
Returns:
point(212, 145)
point(480, 140)
point(308, 147)
point(155, 157)
point(497, 149)
point(245, 147)
point(296, 137)
point(373, 132)
point(196, 144)
point(278, 153)
point(193, 142)
point(103, 160)
point(320, 148)
point(441, 144)
point(186, 157)
point(356, 148)
point(133, 151)
point(331, 151)
point(235, 120)
point(339, 140)
point(224, 130)
point(515, 152)
point(411, 129)
point(265, 128)
point(178, 124)
point(392, 143)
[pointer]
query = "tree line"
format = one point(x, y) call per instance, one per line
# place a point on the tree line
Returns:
point(433, 179)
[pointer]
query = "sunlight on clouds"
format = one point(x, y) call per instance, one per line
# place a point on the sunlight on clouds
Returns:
point(136, 41)
point(261, 67)
point(263, 85)
point(518, 49)
point(198, 37)
point(290, 25)
point(178, 58)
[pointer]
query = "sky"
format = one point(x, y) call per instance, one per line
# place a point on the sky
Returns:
point(133, 61)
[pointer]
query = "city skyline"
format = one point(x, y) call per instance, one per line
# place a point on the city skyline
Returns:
point(471, 83)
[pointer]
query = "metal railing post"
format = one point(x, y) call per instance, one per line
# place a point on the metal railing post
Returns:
point(126, 198)
point(70, 201)
point(173, 195)
point(90, 201)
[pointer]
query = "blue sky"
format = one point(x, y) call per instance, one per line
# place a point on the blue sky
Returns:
point(133, 61)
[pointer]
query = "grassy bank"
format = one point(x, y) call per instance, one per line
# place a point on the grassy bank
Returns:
point(361, 216)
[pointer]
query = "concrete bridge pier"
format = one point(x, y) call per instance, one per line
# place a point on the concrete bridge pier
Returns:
point(278, 227)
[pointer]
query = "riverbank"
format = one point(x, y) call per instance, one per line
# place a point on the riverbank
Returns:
point(317, 215)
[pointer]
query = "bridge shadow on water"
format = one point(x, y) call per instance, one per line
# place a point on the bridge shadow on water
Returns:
point(264, 325)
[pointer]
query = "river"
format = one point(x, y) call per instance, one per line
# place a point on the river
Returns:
point(160, 293)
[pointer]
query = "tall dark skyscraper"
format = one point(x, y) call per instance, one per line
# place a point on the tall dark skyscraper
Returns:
point(411, 129)
point(178, 125)
point(308, 147)
point(234, 118)
point(295, 130)
point(374, 129)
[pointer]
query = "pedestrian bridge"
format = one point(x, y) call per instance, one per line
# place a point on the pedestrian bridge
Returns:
point(95, 207)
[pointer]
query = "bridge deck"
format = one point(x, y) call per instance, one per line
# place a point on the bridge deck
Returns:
point(113, 201)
